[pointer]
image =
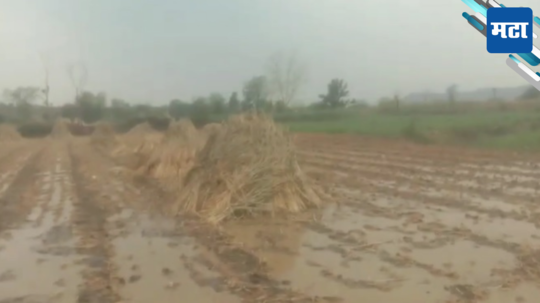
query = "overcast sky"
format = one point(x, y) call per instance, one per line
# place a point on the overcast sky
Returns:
point(157, 50)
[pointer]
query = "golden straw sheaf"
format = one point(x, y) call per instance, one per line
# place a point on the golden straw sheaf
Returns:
point(247, 167)
point(104, 136)
point(174, 155)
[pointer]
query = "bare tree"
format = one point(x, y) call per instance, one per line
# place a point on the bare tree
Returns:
point(451, 91)
point(286, 74)
point(397, 100)
point(78, 79)
point(45, 61)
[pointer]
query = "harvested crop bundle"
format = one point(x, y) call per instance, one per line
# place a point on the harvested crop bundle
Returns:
point(141, 129)
point(175, 154)
point(103, 136)
point(248, 167)
point(211, 128)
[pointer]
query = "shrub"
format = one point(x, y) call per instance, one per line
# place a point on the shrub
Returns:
point(35, 129)
point(412, 133)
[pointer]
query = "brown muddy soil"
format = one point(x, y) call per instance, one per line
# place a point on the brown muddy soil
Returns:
point(412, 224)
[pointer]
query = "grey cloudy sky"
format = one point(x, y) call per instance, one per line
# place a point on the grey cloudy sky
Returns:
point(154, 51)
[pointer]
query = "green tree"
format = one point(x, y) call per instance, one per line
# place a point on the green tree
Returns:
point(23, 98)
point(120, 109)
point(142, 110)
point(234, 103)
point(200, 111)
point(280, 107)
point(178, 109)
point(255, 93)
point(91, 107)
point(217, 103)
point(69, 111)
point(337, 91)
point(286, 74)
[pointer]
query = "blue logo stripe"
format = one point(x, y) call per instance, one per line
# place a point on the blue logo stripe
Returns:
point(514, 58)
point(530, 59)
point(476, 7)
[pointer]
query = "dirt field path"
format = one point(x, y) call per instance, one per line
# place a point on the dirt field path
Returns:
point(413, 224)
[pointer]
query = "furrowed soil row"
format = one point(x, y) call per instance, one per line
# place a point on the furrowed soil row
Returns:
point(37, 251)
point(89, 219)
point(514, 194)
point(509, 184)
point(453, 174)
point(16, 199)
point(427, 186)
point(155, 259)
point(450, 202)
point(496, 196)
point(419, 161)
point(429, 152)
point(399, 250)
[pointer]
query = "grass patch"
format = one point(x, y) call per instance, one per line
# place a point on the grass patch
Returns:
point(514, 130)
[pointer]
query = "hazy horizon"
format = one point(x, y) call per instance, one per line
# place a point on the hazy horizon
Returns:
point(143, 52)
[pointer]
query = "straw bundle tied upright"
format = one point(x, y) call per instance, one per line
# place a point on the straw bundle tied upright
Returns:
point(60, 130)
point(211, 128)
point(247, 167)
point(103, 136)
point(9, 133)
point(141, 129)
point(131, 144)
point(174, 155)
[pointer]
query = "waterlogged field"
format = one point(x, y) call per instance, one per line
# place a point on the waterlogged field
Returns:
point(404, 223)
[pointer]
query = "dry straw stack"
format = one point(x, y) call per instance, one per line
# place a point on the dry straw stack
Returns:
point(247, 167)
point(211, 128)
point(60, 130)
point(9, 133)
point(131, 142)
point(103, 136)
point(141, 129)
point(175, 154)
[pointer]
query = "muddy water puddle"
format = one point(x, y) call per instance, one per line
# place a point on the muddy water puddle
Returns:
point(360, 257)
point(156, 264)
point(38, 257)
point(408, 214)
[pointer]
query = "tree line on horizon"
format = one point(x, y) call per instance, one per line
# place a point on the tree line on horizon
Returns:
point(272, 93)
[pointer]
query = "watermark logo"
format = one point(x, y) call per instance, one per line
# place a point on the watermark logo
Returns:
point(508, 30)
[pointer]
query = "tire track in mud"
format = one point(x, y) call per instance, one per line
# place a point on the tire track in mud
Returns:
point(37, 252)
point(89, 219)
point(154, 260)
point(14, 203)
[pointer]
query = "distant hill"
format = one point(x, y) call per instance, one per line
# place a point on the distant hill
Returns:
point(509, 93)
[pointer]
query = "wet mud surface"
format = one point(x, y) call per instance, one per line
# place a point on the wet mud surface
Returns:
point(411, 224)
